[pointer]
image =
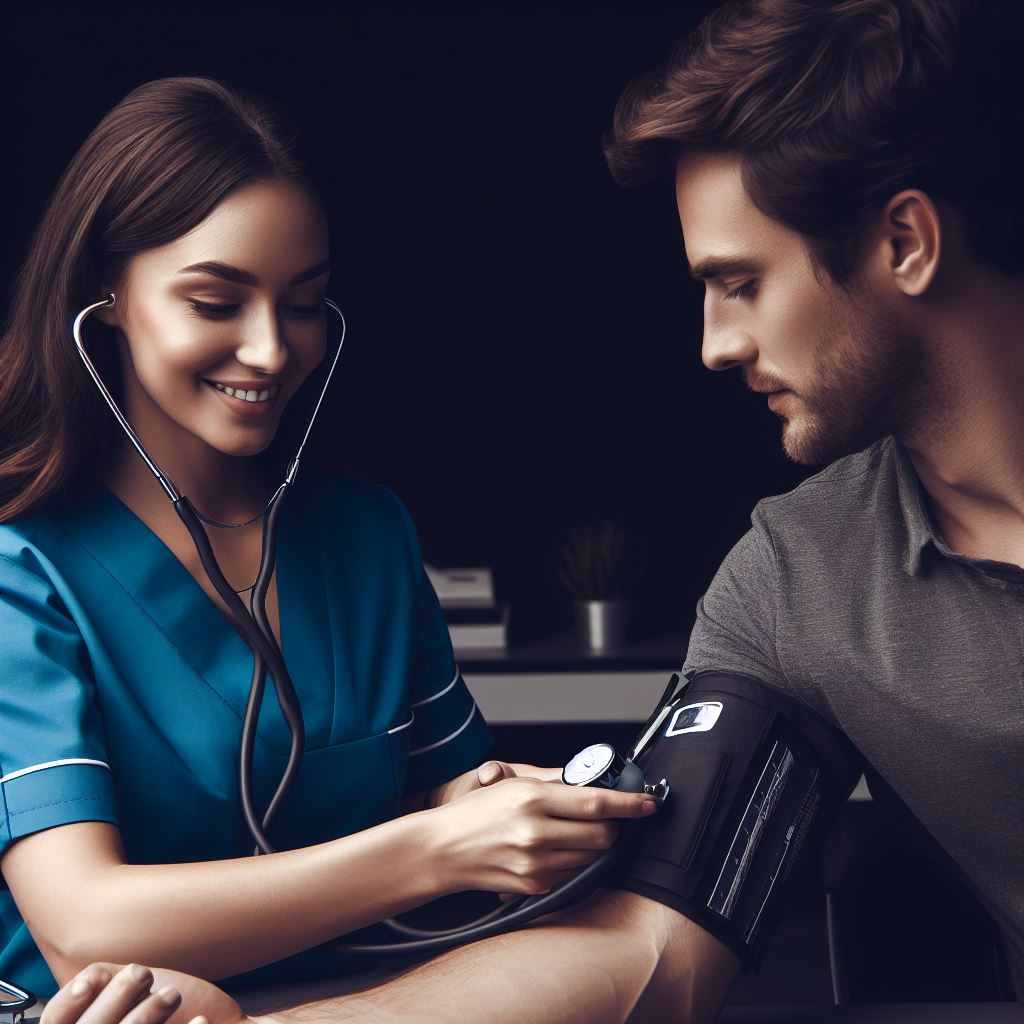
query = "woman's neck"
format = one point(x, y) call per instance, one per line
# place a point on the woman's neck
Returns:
point(228, 489)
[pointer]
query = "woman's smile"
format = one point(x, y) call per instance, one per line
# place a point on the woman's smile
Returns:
point(247, 401)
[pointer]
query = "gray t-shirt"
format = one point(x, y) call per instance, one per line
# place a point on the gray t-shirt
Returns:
point(843, 595)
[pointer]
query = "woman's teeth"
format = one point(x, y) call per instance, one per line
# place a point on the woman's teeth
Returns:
point(247, 396)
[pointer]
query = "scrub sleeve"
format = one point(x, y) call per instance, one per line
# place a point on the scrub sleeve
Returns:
point(445, 732)
point(53, 761)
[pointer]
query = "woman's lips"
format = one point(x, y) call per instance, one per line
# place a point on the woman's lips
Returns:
point(244, 408)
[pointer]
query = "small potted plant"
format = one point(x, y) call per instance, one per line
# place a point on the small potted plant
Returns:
point(600, 567)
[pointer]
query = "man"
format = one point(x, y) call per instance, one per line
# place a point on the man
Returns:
point(849, 193)
point(847, 176)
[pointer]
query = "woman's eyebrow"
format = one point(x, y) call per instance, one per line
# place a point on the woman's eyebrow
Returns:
point(238, 276)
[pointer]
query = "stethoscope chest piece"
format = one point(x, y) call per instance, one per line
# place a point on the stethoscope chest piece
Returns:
point(602, 765)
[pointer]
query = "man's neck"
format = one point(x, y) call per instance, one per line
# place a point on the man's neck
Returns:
point(970, 455)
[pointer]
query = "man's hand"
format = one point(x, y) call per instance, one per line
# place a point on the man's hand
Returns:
point(109, 994)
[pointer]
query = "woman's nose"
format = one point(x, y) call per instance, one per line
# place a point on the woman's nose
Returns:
point(263, 346)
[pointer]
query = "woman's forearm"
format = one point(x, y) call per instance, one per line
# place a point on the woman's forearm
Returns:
point(220, 918)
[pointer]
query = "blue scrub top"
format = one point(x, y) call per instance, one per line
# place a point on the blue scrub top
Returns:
point(124, 686)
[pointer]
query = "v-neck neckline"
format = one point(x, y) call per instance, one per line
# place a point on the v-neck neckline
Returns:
point(166, 551)
point(161, 585)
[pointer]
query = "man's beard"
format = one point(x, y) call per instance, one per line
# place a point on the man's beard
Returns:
point(868, 382)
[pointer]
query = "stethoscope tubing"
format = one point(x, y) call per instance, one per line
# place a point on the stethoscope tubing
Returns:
point(254, 627)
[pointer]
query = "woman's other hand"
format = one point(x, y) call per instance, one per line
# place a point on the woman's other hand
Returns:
point(487, 774)
point(109, 994)
point(523, 836)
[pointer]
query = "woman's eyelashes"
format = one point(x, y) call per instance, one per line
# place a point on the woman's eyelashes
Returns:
point(224, 310)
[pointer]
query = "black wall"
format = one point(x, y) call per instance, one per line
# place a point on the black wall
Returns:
point(524, 343)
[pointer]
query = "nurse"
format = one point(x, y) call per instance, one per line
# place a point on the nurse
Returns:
point(123, 682)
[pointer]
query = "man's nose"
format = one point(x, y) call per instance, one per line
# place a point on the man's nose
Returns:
point(724, 347)
point(263, 346)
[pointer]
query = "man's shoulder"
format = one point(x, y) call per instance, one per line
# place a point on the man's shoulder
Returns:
point(852, 500)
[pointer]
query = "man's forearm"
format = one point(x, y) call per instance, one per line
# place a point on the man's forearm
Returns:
point(616, 957)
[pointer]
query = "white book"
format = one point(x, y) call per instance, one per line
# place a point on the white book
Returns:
point(462, 588)
point(470, 636)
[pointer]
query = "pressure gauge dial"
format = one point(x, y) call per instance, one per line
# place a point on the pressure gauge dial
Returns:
point(600, 764)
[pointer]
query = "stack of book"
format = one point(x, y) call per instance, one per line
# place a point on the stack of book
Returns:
point(474, 618)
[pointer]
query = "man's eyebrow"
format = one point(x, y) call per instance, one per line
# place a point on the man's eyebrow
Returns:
point(238, 276)
point(715, 266)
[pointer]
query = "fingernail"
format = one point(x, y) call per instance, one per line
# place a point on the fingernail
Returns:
point(139, 973)
point(81, 987)
point(649, 807)
point(168, 995)
point(198, 1020)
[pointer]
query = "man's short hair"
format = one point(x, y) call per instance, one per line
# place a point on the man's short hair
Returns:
point(834, 107)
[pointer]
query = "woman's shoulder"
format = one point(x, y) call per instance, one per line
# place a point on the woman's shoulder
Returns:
point(353, 505)
point(30, 554)
point(355, 523)
point(342, 492)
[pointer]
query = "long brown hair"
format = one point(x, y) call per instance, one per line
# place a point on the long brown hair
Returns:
point(151, 170)
point(834, 107)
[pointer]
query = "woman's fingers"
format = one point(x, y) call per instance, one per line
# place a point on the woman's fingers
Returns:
point(582, 835)
point(533, 771)
point(494, 771)
point(561, 866)
point(593, 803)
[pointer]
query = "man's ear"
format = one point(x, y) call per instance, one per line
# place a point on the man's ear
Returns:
point(911, 234)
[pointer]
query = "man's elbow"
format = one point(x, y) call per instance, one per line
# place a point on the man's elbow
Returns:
point(693, 971)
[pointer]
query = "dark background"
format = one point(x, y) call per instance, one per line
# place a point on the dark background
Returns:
point(524, 343)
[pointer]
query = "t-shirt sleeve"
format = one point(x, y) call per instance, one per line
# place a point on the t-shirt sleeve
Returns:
point(735, 633)
point(736, 622)
point(448, 734)
point(53, 762)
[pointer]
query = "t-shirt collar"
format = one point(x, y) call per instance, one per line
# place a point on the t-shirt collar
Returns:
point(921, 531)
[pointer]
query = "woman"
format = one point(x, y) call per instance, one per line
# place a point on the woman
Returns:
point(124, 682)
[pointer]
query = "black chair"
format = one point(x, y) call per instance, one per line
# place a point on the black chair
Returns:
point(901, 928)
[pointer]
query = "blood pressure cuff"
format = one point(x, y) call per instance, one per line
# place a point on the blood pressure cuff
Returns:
point(755, 780)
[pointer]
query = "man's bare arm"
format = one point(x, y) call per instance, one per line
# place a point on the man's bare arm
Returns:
point(616, 957)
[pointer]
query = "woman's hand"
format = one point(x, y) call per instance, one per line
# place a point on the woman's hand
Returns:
point(487, 774)
point(109, 994)
point(523, 836)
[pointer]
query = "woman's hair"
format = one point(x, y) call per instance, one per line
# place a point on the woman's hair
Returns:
point(834, 106)
point(150, 171)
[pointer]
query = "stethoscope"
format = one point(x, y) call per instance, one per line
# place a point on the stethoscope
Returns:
point(597, 765)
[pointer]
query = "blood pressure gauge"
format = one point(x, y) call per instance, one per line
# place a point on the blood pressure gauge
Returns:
point(602, 765)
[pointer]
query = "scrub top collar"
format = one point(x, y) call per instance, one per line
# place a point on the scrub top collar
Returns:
point(151, 574)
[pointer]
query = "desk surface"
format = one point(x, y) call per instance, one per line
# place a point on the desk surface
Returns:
point(562, 652)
